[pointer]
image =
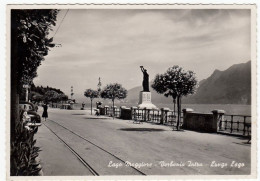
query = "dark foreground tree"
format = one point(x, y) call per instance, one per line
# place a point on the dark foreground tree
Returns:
point(29, 44)
point(91, 94)
point(175, 82)
point(114, 91)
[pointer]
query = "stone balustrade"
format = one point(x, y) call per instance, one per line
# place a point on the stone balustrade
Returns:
point(203, 122)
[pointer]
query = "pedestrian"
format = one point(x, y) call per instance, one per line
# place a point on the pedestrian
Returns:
point(45, 113)
point(97, 112)
point(83, 105)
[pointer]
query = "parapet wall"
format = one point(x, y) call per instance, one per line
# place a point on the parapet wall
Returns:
point(126, 113)
point(200, 121)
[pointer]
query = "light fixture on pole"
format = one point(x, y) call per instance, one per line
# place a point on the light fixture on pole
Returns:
point(99, 85)
point(26, 86)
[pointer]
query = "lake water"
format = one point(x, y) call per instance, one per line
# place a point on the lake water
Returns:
point(203, 108)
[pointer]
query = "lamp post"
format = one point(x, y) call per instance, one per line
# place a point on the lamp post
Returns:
point(99, 85)
point(71, 92)
point(27, 91)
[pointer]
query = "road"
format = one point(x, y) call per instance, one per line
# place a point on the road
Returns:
point(120, 147)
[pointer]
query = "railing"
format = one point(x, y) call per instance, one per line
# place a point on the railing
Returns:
point(138, 114)
point(156, 116)
point(235, 124)
point(231, 124)
point(171, 118)
point(117, 112)
point(109, 111)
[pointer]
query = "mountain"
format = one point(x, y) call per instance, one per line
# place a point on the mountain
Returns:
point(231, 86)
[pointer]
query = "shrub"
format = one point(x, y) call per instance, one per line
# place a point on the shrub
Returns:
point(23, 151)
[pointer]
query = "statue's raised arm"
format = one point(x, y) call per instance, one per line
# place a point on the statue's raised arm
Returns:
point(145, 79)
point(142, 68)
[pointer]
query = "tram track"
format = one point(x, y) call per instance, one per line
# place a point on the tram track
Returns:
point(75, 153)
point(91, 169)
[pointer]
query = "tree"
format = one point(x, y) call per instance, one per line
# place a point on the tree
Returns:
point(114, 91)
point(175, 82)
point(29, 44)
point(91, 94)
point(63, 97)
point(36, 97)
point(53, 96)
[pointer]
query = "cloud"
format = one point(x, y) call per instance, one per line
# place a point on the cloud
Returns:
point(112, 44)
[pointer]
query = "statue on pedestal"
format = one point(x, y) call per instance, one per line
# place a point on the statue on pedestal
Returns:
point(145, 96)
point(145, 80)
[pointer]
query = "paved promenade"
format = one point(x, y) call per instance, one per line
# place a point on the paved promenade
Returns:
point(120, 147)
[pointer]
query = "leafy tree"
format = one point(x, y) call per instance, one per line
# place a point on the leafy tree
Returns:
point(51, 96)
point(36, 97)
point(29, 44)
point(114, 91)
point(91, 94)
point(32, 28)
point(63, 97)
point(41, 90)
point(175, 82)
point(54, 97)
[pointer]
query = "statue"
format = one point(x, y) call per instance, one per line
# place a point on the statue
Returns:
point(145, 80)
point(145, 96)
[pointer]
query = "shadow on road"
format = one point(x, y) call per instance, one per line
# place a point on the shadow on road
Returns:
point(78, 114)
point(243, 143)
point(141, 129)
point(96, 118)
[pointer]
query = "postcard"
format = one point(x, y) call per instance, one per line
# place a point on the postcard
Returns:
point(131, 91)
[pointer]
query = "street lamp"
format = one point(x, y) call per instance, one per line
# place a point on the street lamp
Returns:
point(26, 86)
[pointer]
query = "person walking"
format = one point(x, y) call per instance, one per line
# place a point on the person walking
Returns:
point(45, 113)
point(83, 105)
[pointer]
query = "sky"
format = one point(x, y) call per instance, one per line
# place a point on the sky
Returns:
point(112, 44)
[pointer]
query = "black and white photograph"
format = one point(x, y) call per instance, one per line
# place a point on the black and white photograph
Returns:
point(131, 90)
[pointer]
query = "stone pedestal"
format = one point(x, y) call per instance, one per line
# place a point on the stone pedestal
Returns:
point(145, 101)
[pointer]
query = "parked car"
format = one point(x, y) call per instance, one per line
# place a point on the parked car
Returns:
point(25, 117)
point(31, 111)
point(27, 120)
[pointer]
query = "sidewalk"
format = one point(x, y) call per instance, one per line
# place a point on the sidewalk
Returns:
point(56, 158)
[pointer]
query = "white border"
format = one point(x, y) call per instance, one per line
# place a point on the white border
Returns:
point(101, 6)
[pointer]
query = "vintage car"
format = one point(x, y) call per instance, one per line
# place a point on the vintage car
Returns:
point(26, 118)
point(31, 111)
